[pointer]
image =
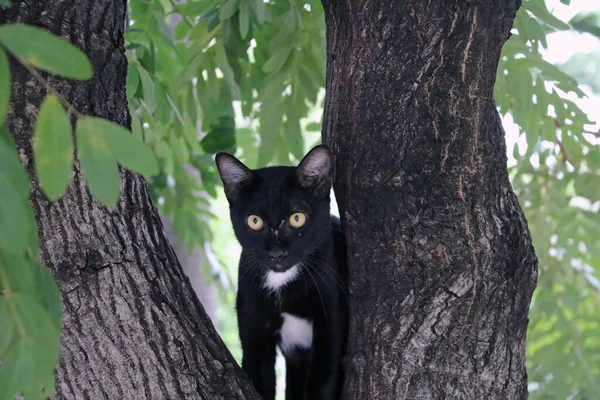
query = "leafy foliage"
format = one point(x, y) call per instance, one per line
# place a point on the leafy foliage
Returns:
point(268, 60)
point(558, 183)
point(44, 51)
point(29, 298)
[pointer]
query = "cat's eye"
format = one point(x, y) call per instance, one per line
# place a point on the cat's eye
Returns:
point(297, 220)
point(254, 222)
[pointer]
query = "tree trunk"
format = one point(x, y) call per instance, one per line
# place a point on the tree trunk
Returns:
point(133, 327)
point(441, 260)
point(192, 265)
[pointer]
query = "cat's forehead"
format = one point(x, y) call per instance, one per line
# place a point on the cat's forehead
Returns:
point(277, 195)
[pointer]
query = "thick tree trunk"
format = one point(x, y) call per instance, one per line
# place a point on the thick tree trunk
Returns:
point(133, 328)
point(192, 265)
point(442, 265)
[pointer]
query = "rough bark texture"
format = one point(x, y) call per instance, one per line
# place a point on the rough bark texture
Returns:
point(133, 328)
point(192, 263)
point(442, 265)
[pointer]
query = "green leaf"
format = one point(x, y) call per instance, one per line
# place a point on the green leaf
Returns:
point(191, 135)
point(149, 89)
point(4, 85)
point(219, 139)
point(313, 127)
point(45, 51)
point(277, 60)
point(32, 307)
point(15, 225)
point(180, 150)
point(8, 327)
point(261, 11)
point(228, 9)
point(136, 124)
point(588, 22)
point(53, 148)
point(129, 150)
point(539, 9)
point(133, 81)
point(97, 162)
point(244, 17)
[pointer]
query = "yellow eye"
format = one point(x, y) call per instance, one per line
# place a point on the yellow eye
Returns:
point(254, 222)
point(297, 220)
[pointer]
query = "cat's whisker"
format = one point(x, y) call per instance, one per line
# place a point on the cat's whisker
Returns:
point(318, 290)
point(331, 273)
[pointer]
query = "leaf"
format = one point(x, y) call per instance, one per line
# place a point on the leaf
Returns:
point(8, 327)
point(149, 89)
point(53, 148)
point(222, 61)
point(45, 51)
point(98, 164)
point(181, 30)
point(261, 11)
point(133, 81)
point(313, 127)
point(180, 150)
point(588, 22)
point(136, 124)
point(191, 135)
point(540, 10)
point(277, 60)
point(221, 138)
point(244, 17)
point(30, 358)
point(293, 140)
point(228, 9)
point(4, 85)
point(129, 150)
point(15, 226)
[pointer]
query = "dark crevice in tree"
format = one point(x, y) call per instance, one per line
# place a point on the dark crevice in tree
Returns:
point(442, 265)
point(133, 327)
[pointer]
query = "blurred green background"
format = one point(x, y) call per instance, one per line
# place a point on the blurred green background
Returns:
point(247, 77)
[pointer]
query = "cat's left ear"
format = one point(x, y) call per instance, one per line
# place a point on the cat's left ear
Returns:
point(235, 175)
point(314, 173)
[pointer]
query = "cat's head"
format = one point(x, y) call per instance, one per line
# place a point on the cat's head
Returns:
point(280, 215)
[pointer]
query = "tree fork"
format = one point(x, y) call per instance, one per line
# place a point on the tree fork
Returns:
point(441, 261)
point(133, 327)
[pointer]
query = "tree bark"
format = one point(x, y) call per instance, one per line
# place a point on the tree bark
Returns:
point(441, 261)
point(133, 327)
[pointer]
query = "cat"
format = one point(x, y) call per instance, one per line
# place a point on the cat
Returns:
point(292, 285)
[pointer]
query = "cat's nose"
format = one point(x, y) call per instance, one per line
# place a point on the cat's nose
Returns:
point(277, 255)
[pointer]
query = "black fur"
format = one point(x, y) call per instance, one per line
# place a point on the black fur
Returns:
point(318, 292)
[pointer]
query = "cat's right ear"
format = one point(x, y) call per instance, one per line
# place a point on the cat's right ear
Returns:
point(235, 175)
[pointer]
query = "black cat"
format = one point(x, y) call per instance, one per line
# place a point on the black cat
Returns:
point(292, 274)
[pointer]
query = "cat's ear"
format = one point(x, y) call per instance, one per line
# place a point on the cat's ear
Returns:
point(314, 173)
point(235, 175)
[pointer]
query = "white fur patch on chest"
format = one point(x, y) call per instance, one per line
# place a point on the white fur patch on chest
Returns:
point(295, 332)
point(276, 280)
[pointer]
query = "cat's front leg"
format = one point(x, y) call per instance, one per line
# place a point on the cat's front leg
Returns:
point(258, 362)
point(258, 343)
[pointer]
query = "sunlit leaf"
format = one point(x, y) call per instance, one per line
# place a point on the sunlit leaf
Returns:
point(228, 9)
point(97, 162)
point(53, 148)
point(127, 149)
point(45, 51)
